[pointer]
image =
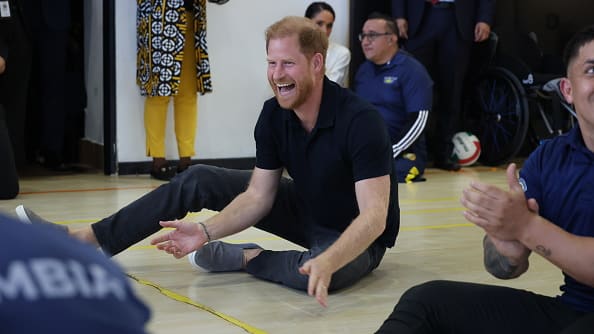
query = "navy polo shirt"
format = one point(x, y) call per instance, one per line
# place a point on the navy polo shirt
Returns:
point(349, 143)
point(399, 87)
point(560, 176)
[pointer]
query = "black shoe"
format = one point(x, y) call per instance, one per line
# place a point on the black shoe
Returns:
point(447, 164)
point(164, 173)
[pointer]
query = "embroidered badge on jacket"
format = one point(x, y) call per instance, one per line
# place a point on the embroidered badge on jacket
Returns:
point(388, 80)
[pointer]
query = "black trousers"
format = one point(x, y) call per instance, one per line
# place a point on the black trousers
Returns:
point(583, 325)
point(467, 308)
point(52, 56)
point(9, 181)
point(207, 187)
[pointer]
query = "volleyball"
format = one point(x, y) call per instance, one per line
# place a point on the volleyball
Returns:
point(467, 148)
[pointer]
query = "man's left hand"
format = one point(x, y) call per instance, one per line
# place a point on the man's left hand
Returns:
point(502, 214)
point(2, 65)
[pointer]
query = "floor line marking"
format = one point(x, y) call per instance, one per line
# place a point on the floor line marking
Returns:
point(421, 211)
point(275, 238)
point(208, 213)
point(234, 241)
point(83, 190)
point(180, 298)
point(204, 212)
point(434, 227)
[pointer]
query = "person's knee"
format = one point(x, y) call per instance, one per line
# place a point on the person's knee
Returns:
point(415, 312)
point(195, 179)
point(425, 293)
point(196, 175)
point(353, 272)
point(208, 187)
point(193, 171)
point(342, 279)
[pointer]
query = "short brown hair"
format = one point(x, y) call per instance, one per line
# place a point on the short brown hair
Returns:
point(311, 38)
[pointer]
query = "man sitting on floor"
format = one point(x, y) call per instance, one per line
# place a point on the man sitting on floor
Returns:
point(341, 202)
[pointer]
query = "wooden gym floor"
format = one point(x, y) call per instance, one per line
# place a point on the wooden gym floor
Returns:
point(435, 242)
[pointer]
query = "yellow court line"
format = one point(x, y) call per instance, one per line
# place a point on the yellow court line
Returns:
point(250, 329)
point(184, 299)
point(205, 212)
point(208, 213)
point(421, 211)
point(434, 227)
point(253, 240)
point(427, 200)
point(83, 190)
point(275, 238)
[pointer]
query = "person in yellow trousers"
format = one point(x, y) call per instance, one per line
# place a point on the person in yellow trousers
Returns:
point(172, 64)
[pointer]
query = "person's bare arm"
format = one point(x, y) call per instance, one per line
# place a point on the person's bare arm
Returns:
point(509, 262)
point(507, 259)
point(373, 199)
point(573, 254)
point(244, 211)
point(506, 215)
point(247, 208)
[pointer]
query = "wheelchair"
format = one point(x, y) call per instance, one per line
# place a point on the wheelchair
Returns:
point(512, 99)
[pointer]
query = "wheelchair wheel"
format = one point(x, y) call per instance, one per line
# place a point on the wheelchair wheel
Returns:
point(496, 111)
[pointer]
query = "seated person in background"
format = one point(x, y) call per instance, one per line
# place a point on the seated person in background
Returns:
point(440, 34)
point(340, 203)
point(401, 89)
point(51, 283)
point(549, 210)
point(338, 57)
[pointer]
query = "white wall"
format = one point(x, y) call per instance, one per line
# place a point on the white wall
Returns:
point(227, 116)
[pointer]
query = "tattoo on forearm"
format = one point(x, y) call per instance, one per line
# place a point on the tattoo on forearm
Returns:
point(542, 250)
point(497, 264)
